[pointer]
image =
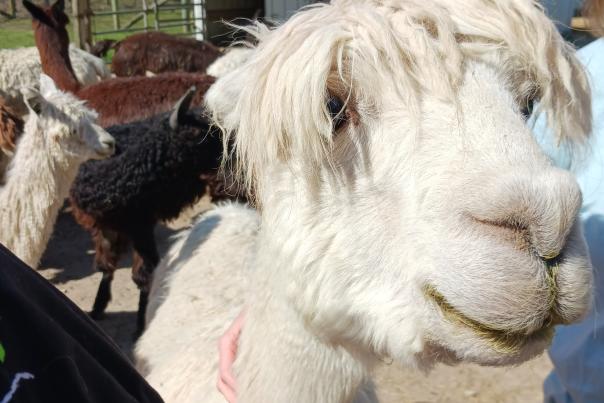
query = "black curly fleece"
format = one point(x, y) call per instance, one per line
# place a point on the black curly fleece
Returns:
point(154, 173)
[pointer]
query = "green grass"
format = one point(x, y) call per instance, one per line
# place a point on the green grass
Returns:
point(18, 33)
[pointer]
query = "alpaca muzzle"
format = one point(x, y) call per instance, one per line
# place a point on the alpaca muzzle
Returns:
point(536, 213)
point(503, 341)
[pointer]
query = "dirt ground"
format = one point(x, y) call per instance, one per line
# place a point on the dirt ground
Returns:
point(68, 265)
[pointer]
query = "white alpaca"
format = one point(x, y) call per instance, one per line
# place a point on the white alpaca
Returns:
point(55, 142)
point(233, 58)
point(177, 278)
point(21, 68)
point(407, 211)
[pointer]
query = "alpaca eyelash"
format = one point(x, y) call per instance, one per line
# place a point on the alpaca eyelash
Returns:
point(337, 112)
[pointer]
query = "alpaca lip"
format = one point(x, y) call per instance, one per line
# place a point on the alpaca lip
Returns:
point(503, 341)
point(105, 152)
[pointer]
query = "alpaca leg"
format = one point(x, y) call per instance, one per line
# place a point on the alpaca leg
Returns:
point(103, 296)
point(142, 273)
point(109, 245)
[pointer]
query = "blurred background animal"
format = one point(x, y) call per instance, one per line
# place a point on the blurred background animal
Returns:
point(158, 52)
point(21, 68)
point(161, 166)
point(11, 127)
point(58, 136)
point(118, 100)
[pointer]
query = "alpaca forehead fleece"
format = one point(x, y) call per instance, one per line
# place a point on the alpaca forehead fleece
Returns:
point(65, 108)
point(422, 46)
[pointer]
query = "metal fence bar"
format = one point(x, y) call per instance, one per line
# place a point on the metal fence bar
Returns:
point(136, 19)
point(121, 12)
point(190, 23)
point(166, 8)
point(145, 18)
point(117, 31)
point(192, 33)
point(116, 16)
point(184, 14)
point(142, 29)
point(156, 15)
point(141, 10)
point(179, 20)
point(178, 24)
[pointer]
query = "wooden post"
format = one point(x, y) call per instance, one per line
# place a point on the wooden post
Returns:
point(116, 17)
point(12, 8)
point(82, 29)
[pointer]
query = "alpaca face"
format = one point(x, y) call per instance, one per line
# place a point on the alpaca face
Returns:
point(68, 125)
point(406, 206)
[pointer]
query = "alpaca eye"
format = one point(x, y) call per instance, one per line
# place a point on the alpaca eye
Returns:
point(337, 113)
point(527, 110)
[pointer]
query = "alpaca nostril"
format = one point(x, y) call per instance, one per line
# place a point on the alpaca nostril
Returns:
point(107, 147)
point(110, 144)
point(551, 262)
point(514, 232)
point(551, 258)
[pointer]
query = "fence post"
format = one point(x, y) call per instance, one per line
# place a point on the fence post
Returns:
point(145, 19)
point(116, 17)
point(12, 8)
point(184, 15)
point(81, 23)
point(199, 18)
point(156, 14)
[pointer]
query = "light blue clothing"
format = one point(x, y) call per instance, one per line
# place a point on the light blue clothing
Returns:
point(578, 350)
point(561, 11)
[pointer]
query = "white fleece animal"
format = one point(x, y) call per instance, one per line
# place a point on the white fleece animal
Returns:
point(56, 140)
point(21, 68)
point(407, 211)
point(233, 58)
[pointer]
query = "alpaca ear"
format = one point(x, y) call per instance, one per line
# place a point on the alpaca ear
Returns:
point(222, 98)
point(33, 100)
point(37, 13)
point(181, 108)
point(58, 12)
point(47, 86)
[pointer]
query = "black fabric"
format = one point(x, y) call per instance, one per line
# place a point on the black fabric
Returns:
point(52, 352)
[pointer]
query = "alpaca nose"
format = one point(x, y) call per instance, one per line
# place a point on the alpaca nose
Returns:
point(108, 146)
point(109, 143)
point(536, 212)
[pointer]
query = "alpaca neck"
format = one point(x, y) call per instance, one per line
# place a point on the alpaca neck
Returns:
point(280, 360)
point(54, 58)
point(37, 182)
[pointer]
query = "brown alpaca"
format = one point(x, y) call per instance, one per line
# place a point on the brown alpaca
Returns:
point(159, 52)
point(117, 101)
point(11, 127)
